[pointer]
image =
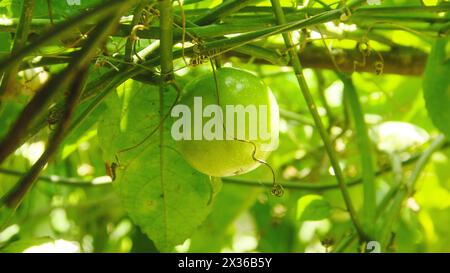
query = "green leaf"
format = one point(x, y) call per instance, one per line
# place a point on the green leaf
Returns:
point(83, 132)
point(436, 85)
point(216, 232)
point(312, 208)
point(276, 232)
point(161, 192)
point(22, 245)
point(5, 43)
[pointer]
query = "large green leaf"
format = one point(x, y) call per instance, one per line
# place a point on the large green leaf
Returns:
point(436, 85)
point(161, 192)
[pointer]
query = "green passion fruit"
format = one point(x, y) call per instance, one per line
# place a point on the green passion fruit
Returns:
point(230, 122)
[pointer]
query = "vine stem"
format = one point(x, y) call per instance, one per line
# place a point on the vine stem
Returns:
point(166, 44)
point(365, 148)
point(222, 10)
point(279, 14)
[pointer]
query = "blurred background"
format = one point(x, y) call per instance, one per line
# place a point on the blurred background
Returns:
point(74, 207)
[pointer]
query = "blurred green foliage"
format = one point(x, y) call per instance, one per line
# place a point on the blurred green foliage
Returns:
point(88, 214)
